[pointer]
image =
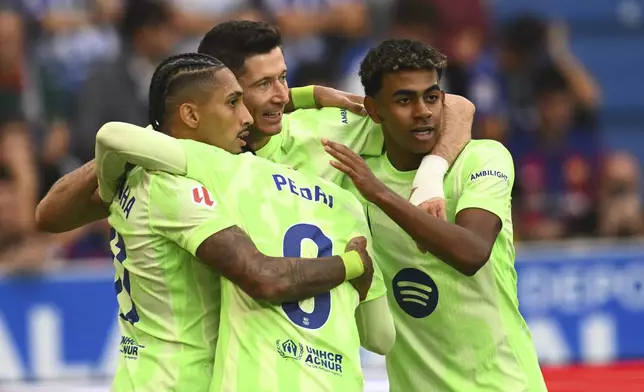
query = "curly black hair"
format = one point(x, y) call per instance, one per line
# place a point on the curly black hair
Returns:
point(172, 77)
point(398, 55)
point(234, 41)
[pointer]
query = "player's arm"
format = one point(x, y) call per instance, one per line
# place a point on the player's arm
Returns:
point(376, 325)
point(205, 228)
point(373, 318)
point(72, 202)
point(119, 144)
point(75, 200)
point(465, 245)
point(316, 97)
point(279, 279)
point(427, 189)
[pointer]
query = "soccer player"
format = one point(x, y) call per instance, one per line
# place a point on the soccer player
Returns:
point(252, 50)
point(313, 345)
point(455, 308)
point(173, 238)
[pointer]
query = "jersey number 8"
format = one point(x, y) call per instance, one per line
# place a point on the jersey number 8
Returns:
point(292, 247)
point(116, 241)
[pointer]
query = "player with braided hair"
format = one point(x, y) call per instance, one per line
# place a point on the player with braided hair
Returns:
point(175, 237)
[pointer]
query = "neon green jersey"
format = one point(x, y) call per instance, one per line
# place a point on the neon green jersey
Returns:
point(308, 346)
point(168, 301)
point(299, 144)
point(455, 333)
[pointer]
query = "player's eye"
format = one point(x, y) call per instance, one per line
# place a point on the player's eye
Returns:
point(403, 101)
point(264, 84)
point(233, 102)
point(432, 98)
point(283, 77)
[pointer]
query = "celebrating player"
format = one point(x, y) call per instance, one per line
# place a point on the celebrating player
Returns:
point(455, 308)
point(252, 50)
point(173, 237)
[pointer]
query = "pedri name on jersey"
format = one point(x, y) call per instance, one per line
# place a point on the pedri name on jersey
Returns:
point(313, 357)
point(316, 194)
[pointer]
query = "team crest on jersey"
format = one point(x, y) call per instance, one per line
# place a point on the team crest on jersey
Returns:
point(415, 292)
point(201, 196)
point(314, 358)
point(289, 349)
point(130, 348)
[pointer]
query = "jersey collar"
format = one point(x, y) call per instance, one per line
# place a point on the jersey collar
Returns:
point(394, 174)
point(269, 150)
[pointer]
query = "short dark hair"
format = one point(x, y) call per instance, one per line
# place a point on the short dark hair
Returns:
point(173, 76)
point(234, 41)
point(398, 55)
point(139, 14)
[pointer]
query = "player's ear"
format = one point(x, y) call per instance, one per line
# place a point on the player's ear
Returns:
point(370, 105)
point(189, 114)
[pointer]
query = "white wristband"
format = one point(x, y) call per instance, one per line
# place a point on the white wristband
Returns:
point(428, 183)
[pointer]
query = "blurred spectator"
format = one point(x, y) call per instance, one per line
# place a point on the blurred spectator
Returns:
point(118, 90)
point(620, 211)
point(461, 36)
point(414, 19)
point(196, 17)
point(316, 31)
point(17, 171)
point(558, 165)
point(501, 81)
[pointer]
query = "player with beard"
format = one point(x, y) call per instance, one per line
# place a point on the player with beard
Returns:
point(184, 247)
point(455, 308)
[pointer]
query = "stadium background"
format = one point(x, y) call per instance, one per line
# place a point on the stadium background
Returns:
point(559, 82)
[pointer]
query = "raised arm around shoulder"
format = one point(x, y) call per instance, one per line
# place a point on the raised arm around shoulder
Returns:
point(376, 325)
point(118, 144)
point(279, 279)
point(457, 128)
point(72, 202)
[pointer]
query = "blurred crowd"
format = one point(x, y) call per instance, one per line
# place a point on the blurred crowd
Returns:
point(69, 66)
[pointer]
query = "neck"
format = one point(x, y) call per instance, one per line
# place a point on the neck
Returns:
point(404, 160)
point(257, 140)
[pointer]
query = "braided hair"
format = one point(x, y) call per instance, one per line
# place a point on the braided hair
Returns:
point(171, 78)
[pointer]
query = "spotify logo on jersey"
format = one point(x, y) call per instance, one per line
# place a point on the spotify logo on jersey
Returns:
point(415, 292)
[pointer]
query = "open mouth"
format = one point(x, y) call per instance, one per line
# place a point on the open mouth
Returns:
point(273, 116)
point(423, 131)
point(241, 135)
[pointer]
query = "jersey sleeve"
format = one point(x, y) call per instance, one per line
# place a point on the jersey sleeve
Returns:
point(488, 175)
point(374, 142)
point(378, 288)
point(185, 211)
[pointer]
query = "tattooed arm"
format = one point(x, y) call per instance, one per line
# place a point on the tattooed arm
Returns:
point(72, 202)
point(280, 279)
point(210, 231)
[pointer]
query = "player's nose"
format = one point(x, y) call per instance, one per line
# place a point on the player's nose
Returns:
point(280, 95)
point(246, 118)
point(422, 110)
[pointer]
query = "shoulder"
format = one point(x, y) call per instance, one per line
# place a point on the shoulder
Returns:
point(327, 116)
point(484, 150)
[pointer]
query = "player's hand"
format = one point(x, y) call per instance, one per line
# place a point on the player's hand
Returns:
point(435, 207)
point(356, 168)
point(327, 97)
point(363, 282)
